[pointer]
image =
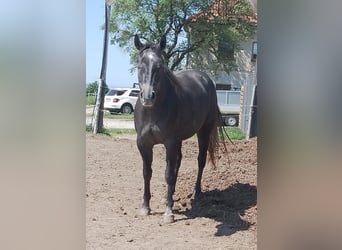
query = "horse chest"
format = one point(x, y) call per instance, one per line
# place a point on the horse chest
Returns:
point(159, 132)
point(152, 131)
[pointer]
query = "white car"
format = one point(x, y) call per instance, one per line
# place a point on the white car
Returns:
point(121, 100)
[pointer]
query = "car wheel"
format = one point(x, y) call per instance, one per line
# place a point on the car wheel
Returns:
point(230, 120)
point(126, 109)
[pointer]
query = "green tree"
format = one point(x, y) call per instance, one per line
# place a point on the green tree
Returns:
point(198, 31)
point(91, 88)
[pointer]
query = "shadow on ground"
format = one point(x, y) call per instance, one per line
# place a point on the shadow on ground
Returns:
point(225, 206)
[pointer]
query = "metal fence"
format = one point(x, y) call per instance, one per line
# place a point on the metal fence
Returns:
point(249, 107)
point(91, 94)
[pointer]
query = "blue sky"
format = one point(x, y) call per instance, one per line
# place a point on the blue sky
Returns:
point(118, 66)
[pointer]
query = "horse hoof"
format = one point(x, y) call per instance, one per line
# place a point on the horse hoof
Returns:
point(144, 211)
point(169, 218)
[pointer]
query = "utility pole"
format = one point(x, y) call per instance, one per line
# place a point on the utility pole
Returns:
point(102, 84)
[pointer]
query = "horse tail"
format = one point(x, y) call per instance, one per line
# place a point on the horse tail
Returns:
point(216, 140)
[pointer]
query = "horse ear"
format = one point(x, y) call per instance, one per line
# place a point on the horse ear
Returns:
point(162, 43)
point(137, 42)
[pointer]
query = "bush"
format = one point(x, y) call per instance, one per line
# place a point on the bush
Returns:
point(91, 100)
point(92, 88)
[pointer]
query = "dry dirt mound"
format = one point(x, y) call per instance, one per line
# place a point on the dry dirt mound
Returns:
point(224, 217)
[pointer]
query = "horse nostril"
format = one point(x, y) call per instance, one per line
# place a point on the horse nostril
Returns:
point(153, 95)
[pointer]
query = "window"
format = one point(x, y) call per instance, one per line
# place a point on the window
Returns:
point(120, 92)
point(111, 92)
point(134, 93)
point(225, 50)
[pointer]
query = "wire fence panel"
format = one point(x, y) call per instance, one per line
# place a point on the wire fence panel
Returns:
point(247, 107)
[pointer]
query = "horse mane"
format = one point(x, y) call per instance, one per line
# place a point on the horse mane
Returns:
point(174, 82)
point(170, 75)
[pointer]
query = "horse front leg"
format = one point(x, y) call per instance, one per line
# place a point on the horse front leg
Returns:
point(147, 156)
point(173, 159)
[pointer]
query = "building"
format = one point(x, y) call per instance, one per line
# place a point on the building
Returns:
point(243, 77)
point(240, 57)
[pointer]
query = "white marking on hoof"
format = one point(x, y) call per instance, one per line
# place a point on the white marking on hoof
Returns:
point(169, 218)
point(144, 211)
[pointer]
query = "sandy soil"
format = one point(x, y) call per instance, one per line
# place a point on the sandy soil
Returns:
point(224, 218)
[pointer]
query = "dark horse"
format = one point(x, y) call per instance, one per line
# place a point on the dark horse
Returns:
point(171, 108)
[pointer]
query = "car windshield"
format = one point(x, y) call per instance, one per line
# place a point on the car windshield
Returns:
point(113, 92)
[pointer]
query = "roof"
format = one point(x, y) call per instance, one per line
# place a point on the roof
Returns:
point(221, 8)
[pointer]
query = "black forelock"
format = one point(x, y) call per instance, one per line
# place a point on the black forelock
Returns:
point(154, 47)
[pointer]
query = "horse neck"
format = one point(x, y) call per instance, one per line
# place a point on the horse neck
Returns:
point(167, 86)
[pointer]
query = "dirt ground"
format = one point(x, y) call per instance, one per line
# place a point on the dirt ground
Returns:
point(224, 218)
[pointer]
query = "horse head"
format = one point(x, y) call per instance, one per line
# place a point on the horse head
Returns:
point(150, 70)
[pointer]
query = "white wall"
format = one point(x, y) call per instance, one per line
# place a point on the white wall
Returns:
point(246, 69)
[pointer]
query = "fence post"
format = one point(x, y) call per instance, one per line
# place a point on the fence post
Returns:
point(97, 108)
point(242, 110)
point(250, 112)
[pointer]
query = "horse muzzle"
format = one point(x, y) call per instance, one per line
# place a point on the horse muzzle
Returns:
point(147, 100)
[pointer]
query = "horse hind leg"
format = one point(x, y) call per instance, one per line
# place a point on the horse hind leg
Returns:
point(203, 144)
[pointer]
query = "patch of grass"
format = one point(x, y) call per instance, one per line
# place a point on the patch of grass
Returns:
point(129, 117)
point(91, 100)
point(234, 133)
point(107, 131)
point(89, 128)
point(119, 131)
